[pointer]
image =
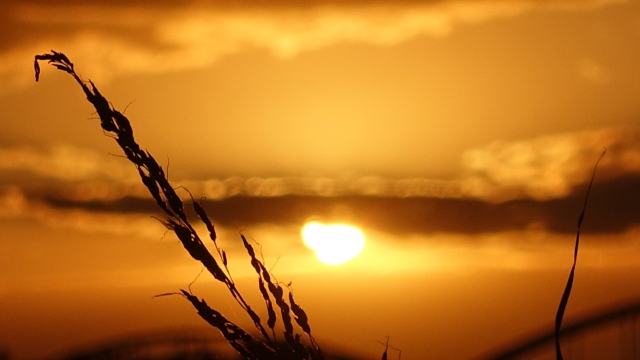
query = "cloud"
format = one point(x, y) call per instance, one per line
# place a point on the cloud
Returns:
point(541, 168)
point(523, 249)
point(324, 187)
point(64, 172)
point(115, 39)
point(549, 167)
point(70, 187)
point(15, 204)
point(66, 163)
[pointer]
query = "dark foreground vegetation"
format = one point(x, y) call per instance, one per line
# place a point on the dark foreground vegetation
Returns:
point(284, 315)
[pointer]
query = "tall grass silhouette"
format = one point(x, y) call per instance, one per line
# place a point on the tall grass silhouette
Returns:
point(564, 300)
point(292, 318)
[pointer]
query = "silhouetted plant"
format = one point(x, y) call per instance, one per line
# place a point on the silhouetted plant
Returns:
point(567, 289)
point(116, 125)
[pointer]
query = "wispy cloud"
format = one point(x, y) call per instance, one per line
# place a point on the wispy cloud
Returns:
point(66, 163)
point(541, 168)
point(549, 167)
point(115, 39)
point(85, 175)
point(71, 187)
point(15, 204)
point(325, 187)
point(523, 249)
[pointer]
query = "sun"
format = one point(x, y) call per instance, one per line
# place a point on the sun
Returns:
point(334, 244)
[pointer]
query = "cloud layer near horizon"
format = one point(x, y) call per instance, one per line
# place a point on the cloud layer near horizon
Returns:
point(506, 185)
point(550, 167)
point(116, 39)
point(541, 168)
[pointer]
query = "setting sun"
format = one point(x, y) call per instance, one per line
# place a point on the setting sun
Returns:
point(334, 244)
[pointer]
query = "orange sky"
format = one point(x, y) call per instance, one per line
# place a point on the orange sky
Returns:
point(459, 135)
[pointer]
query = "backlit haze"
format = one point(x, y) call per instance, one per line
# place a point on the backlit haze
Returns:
point(458, 136)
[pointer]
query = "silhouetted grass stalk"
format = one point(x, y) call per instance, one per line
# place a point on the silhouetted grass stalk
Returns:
point(117, 126)
point(567, 289)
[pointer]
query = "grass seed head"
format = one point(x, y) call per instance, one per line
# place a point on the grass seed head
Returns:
point(117, 126)
point(300, 315)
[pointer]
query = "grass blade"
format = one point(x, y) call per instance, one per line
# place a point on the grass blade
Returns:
point(567, 289)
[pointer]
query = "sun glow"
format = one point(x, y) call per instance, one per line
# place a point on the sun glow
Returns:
point(334, 244)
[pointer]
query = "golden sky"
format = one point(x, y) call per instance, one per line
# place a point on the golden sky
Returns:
point(458, 135)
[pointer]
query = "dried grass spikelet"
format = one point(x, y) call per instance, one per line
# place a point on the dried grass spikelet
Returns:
point(117, 126)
